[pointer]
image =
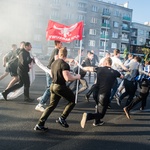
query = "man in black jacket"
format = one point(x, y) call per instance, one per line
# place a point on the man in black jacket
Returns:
point(23, 69)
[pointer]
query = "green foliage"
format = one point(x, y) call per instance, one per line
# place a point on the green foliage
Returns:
point(125, 53)
point(146, 51)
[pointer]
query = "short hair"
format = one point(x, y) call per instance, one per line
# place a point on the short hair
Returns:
point(138, 58)
point(57, 42)
point(63, 52)
point(27, 44)
point(108, 60)
point(14, 45)
point(116, 51)
point(23, 42)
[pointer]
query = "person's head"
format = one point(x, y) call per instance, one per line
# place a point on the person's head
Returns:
point(107, 62)
point(107, 54)
point(92, 51)
point(137, 58)
point(14, 46)
point(22, 44)
point(62, 52)
point(58, 44)
point(147, 63)
point(80, 51)
point(116, 52)
point(28, 46)
point(130, 56)
point(90, 55)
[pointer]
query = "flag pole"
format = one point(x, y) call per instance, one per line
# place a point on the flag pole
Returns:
point(77, 87)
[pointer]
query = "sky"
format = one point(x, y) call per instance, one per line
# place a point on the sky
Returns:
point(140, 9)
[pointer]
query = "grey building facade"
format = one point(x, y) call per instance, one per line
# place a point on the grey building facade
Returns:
point(106, 25)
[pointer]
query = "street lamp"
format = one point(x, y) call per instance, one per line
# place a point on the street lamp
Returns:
point(105, 40)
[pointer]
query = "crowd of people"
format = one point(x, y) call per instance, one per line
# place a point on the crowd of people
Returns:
point(113, 79)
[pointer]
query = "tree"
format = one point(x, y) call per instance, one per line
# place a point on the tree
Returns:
point(146, 51)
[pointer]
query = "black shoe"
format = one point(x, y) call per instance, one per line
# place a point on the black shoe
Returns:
point(62, 122)
point(4, 95)
point(28, 99)
point(100, 123)
point(109, 106)
point(40, 128)
point(87, 97)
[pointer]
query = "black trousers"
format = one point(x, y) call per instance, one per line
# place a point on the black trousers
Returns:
point(130, 89)
point(58, 91)
point(23, 80)
point(102, 101)
point(142, 95)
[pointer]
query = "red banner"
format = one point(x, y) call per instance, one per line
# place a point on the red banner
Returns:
point(60, 32)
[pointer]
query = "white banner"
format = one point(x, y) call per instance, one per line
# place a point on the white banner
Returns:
point(19, 91)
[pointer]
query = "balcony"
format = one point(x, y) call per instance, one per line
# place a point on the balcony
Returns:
point(133, 42)
point(126, 18)
point(125, 40)
point(105, 25)
point(106, 14)
point(134, 34)
point(125, 29)
point(103, 36)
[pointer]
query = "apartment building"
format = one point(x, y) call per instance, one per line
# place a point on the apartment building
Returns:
point(140, 36)
point(107, 25)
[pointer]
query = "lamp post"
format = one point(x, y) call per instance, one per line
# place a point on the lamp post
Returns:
point(105, 40)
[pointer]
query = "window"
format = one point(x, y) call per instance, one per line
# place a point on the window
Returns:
point(115, 24)
point(92, 32)
point(38, 25)
point(92, 43)
point(69, 4)
point(114, 35)
point(81, 17)
point(141, 32)
point(93, 20)
point(125, 26)
point(68, 16)
point(116, 13)
point(113, 45)
point(54, 15)
point(56, 1)
point(124, 35)
point(102, 43)
point(106, 11)
point(81, 5)
point(37, 37)
point(77, 43)
point(94, 8)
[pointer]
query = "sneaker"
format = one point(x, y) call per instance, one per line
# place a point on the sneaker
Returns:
point(40, 128)
point(126, 112)
point(39, 98)
point(62, 122)
point(109, 106)
point(98, 124)
point(83, 120)
point(40, 108)
point(28, 99)
point(4, 95)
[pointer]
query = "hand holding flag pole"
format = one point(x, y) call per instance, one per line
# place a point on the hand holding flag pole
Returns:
point(63, 33)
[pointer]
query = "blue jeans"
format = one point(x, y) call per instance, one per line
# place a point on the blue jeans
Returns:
point(114, 90)
point(46, 95)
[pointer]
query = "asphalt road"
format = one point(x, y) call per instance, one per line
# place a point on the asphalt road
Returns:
point(18, 118)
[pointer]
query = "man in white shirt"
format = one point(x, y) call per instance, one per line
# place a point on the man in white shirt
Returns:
point(117, 64)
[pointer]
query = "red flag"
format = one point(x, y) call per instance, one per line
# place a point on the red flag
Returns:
point(60, 32)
